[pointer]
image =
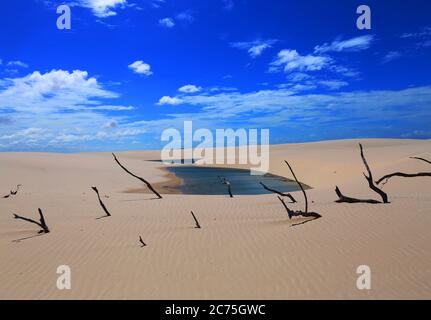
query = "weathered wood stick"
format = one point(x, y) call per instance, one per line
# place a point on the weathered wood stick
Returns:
point(278, 192)
point(403, 175)
point(139, 178)
point(101, 202)
point(370, 178)
point(142, 242)
point(198, 226)
point(300, 185)
point(344, 199)
point(42, 224)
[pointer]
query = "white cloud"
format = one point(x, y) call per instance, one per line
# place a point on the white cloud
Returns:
point(169, 100)
point(185, 16)
point(392, 55)
point(254, 48)
point(54, 90)
point(17, 63)
point(353, 44)
point(333, 84)
point(103, 8)
point(141, 67)
point(423, 36)
point(68, 104)
point(291, 60)
point(424, 33)
point(30, 133)
point(167, 22)
point(110, 124)
point(189, 88)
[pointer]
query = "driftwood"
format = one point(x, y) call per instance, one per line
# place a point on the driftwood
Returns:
point(101, 202)
point(229, 186)
point(305, 213)
point(371, 184)
point(343, 198)
point(41, 222)
point(139, 178)
point(405, 175)
point(12, 193)
point(142, 242)
point(198, 226)
point(292, 199)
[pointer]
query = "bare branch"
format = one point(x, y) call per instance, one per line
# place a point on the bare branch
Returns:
point(198, 226)
point(300, 185)
point(344, 199)
point(278, 192)
point(229, 186)
point(422, 159)
point(12, 192)
point(405, 175)
point(370, 179)
point(100, 202)
point(289, 212)
point(139, 178)
point(42, 224)
point(306, 214)
point(142, 242)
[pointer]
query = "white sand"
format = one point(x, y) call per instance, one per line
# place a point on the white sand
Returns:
point(247, 248)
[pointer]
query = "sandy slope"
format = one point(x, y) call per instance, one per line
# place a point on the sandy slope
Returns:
point(247, 247)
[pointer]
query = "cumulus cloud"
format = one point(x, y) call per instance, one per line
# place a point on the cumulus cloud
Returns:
point(103, 8)
point(167, 100)
point(54, 90)
point(291, 60)
point(40, 107)
point(141, 68)
point(353, 44)
point(167, 22)
point(254, 48)
point(189, 88)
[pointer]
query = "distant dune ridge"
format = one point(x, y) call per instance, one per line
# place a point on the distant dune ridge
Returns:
point(246, 248)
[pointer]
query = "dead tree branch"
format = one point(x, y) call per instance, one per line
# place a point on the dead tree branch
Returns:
point(101, 202)
point(198, 226)
point(41, 223)
point(370, 178)
point(421, 159)
point(300, 185)
point(229, 186)
point(12, 193)
point(292, 199)
point(305, 214)
point(142, 242)
point(405, 175)
point(139, 178)
point(344, 199)
point(371, 185)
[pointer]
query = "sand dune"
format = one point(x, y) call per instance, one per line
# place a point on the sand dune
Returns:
point(246, 249)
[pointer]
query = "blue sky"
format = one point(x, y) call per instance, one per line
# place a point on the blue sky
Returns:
point(129, 69)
